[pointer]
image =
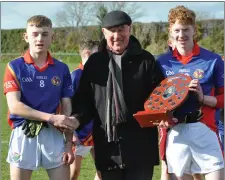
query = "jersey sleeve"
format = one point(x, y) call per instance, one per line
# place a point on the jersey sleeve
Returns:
point(73, 78)
point(82, 101)
point(218, 76)
point(11, 82)
point(67, 83)
point(218, 79)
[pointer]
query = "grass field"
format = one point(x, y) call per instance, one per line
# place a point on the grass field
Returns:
point(87, 171)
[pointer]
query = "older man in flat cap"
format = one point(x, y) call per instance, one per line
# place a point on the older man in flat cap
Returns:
point(116, 82)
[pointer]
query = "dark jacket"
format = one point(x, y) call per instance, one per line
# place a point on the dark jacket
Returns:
point(137, 147)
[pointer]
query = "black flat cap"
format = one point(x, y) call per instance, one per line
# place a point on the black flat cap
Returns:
point(116, 18)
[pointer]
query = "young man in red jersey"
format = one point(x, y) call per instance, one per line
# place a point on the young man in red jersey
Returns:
point(35, 85)
point(192, 144)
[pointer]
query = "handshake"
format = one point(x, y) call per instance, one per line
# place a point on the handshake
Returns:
point(63, 123)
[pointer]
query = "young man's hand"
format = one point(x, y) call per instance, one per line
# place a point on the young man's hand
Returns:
point(196, 87)
point(166, 124)
point(68, 156)
point(64, 122)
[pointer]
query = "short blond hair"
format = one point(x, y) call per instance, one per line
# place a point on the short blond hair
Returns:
point(39, 21)
point(184, 15)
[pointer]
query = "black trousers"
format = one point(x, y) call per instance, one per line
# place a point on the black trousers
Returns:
point(129, 174)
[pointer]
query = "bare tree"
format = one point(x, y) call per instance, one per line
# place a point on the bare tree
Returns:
point(74, 18)
point(101, 12)
point(74, 14)
point(77, 14)
point(131, 8)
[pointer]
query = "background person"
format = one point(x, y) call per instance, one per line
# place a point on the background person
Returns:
point(83, 138)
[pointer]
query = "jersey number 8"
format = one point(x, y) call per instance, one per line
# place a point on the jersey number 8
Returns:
point(42, 83)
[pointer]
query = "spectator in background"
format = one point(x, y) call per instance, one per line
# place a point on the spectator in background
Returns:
point(82, 139)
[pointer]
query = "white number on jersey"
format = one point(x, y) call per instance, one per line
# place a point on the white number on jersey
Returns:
point(42, 83)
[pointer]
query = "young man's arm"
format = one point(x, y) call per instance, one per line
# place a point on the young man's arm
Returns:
point(216, 101)
point(66, 109)
point(18, 108)
point(213, 101)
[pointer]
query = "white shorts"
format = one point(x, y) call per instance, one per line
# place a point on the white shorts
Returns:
point(81, 150)
point(193, 148)
point(45, 150)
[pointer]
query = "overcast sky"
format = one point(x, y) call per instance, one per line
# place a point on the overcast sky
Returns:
point(15, 14)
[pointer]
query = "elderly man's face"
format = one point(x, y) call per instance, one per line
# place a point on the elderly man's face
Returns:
point(117, 38)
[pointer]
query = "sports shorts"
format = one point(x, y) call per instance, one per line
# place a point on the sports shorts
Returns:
point(45, 150)
point(193, 148)
point(81, 150)
point(221, 136)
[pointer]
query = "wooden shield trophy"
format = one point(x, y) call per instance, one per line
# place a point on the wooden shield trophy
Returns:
point(166, 97)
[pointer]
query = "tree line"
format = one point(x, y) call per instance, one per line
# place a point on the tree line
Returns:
point(74, 21)
point(152, 36)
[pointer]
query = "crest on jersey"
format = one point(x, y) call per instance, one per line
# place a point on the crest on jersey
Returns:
point(56, 81)
point(199, 73)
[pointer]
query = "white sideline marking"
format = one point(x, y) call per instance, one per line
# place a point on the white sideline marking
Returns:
point(4, 142)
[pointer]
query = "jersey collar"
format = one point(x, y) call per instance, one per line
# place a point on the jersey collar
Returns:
point(186, 59)
point(29, 60)
point(80, 66)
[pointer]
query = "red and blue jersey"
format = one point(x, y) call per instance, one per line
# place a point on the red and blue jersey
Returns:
point(41, 88)
point(204, 65)
point(219, 123)
point(85, 134)
point(220, 128)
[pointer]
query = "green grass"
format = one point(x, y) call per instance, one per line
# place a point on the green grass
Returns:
point(87, 171)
